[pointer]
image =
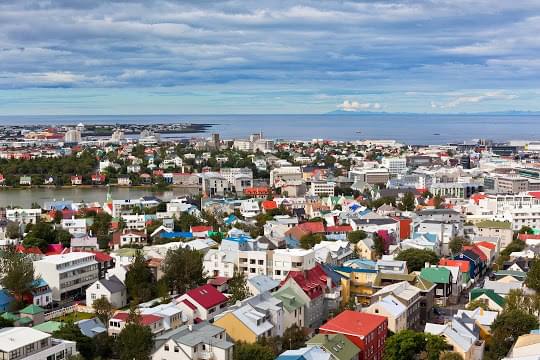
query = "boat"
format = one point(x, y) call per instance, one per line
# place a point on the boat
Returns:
point(436, 134)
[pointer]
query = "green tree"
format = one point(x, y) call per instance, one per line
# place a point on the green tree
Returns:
point(5, 323)
point(438, 202)
point(71, 332)
point(533, 276)
point(435, 345)
point(456, 244)
point(100, 228)
point(238, 287)
point(416, 258)
point(404, 345)
point(13, 230)
point(183, 269)
point(506, 328)
point(104, 346)
point(103, 309)
point(356, 235)
point(378, 244)
point(407, 202)
point(139, 279)
point(310, 240)
point(293, 338)
point(450, 355)
point(135, 341)
point(244, 351)
point(185, 221)
point(18, 273)
point(526, 230)
point(477, 304)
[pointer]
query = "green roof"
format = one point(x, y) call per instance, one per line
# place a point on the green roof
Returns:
point(490, 293)
point(437, 275)
point(291, 300)
point(49, 326)
point(514, 273)
point(337, 344)
point(423, 284)
point(494, 224)
point(24, 321)
point(32, 310)
point(10, 316)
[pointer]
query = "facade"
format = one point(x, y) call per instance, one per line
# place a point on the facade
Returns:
point(68, 274)
point(31, 344)
point(23, 216)
point(112, 289)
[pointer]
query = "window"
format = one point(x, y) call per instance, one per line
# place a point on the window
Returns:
point(29, 348)
point(93, 296)
point(166, 348)
point(44, 343)
point(176, 349)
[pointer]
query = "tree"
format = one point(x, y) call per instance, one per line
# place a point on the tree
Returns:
point(533, 276)
point(104, 346)
point(456, 244)
point(506, 328)
point(310, 240)
point(378, 244)
point(526, 230)
point(407, 202)
point(135, 341)
point(404, 345)
point(438, 201)
point(477, 304)
point(238, 287)
point(435, 345)
point(139, 279)
point(13, 230)
point(416, 258)
point(5, 323)
point(293, 338)
point(356, 235)
point(103, 309)
point(450, 355)
point(71, 332)
point(183, 269)
point(244, 351)
point(18, 273)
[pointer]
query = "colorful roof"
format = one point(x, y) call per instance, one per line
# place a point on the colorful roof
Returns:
point(493, 224)
point(437, 275)
point(477, 251)
point(337, 344)
point(353, 323)
point(49, 326)
point(498, 299)
point(339, 228)
point(312, 282)
point(202, 228)
point(312, 227)
point(464, 265)
point(486, 244)
point(207, 296)
point(146, 319)
point(269, 204)
point(32, 310)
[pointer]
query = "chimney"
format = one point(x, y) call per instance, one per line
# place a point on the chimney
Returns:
point(427, 264)
point(190, 327)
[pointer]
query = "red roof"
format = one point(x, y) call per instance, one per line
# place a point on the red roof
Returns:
point(477, 251)
point(261, 190)
point(189, 304)
point(463, 265)
point(535, 194)
point(207, 296)
point(524, 237)
point(353, 323)
point(339, 228)
point(486, 244)
point(146, 319)
point(195, 229)
point(28, 250)
point(476, 197)
point(218, 280)
point(312, 227)
point(269, 204)
point(312, 281)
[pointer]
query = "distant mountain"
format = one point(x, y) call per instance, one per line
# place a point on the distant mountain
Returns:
point(494, 113)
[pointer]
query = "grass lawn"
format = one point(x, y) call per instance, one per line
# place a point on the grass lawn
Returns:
point(75, 316)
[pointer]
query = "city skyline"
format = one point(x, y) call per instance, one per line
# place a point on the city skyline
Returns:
point(230, 57)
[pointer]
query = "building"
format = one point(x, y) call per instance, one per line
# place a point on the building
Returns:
point(498, 229)
point(119, 321)
point(322, 188)
point(286, 260)
point(246, 323)
point(111, 289)
point(393, 309)
point(202, 303)
point(69, 274)
point(32, 344)
point(338, 345)
point(366, 331)
point(395, 165)
point(197, 341)
point(23, 216)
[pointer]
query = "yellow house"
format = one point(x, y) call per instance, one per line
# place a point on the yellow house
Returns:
point(359, 284)
point(365, 249)
point(245, 324)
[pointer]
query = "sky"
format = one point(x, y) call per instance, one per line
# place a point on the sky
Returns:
point(268, 57)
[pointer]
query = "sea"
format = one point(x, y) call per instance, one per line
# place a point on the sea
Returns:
point(405, 128)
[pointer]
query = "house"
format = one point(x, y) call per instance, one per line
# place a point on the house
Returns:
point(261, 283)
point(388, 265)
point(366, 331)
point(338, 345)
point(464, 268)
point(202, 303)
point(499, 229)
point(526, 347)
point(170, 313)
point(365, 249)
point(76, 180)
point(462, 334)
point(246, 323)
point(333, 252)
point(74, 226)
point(294, 302)
point(483, 318)
point(393, 309)
point(84, 242)
point(28, 343)
point(492, 300)
point(119, 321)
point(91, 327)
point(6, 300)
point(25, 180)
point(197, 341)
point(98, 179)
point(41, 293)
point(33, 312)
point(124, 181)
point(306, 353)
point(111, 289)
point(442, 278)
point(127, 237)
point(23, 216)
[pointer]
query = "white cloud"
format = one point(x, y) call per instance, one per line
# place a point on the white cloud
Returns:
point(467, 99)
point(356, 106)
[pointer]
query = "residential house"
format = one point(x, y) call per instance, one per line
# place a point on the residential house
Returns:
point(306, 353)
point(393, 309)
point(294, 302)
point(442, 278)
point(119, 321)
point(127, 237)
point(338, 345)
point(111, 289)
point(28, 343)
point(492, 300)
point(499, 229)
point(202, 303)
point(246, 323)
point(526, 347)
point(261, 283)
point(463, 335)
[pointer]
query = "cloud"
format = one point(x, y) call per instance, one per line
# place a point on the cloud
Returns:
point(468, 99)
point(356, 106)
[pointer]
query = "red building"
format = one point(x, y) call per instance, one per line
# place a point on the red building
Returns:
point(366, 331)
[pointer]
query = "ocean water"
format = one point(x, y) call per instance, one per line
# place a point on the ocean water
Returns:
point(409, 129)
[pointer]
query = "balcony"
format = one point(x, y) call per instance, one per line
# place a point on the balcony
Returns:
point(205, 355)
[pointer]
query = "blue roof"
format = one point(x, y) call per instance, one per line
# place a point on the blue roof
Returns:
point(239, 239)
point(39, 283)
point(175, 234)
point(348, 269)
point(429, 236)
point(230, 219)
point(5, 297)
point(361, 263)
point(263, 283)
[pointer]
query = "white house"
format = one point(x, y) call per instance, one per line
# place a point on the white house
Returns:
point(112, 289)
point(32, 344)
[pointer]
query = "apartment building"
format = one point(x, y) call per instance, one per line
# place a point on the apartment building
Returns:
point(395, 165)
point(286, 260)
point(371, 176)
point(322, 188)
point(68, 274)
point(31, 344)
point(23, 216)
point(285, 174)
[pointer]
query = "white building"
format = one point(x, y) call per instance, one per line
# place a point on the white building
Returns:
point(322, 188)
point(285, 174)
point(74, 226)
point(68, 274)
point(23, 216)
point(31, 344)
point(285, 260)
point(395, 165)
point(112, 289)
point(73, 136)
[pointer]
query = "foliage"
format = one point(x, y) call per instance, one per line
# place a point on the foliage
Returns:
point(456, 244)
point(416, 258)
point(18, 273)
point(407, 202)
point(244, 351)
point(517, 299)
point(12, 230)
point(506, 328)
point(533, 275)
point(293, 338)
point(435, 345)
point(71, 332)
point(42, 234)
point(438, 202)
point(139, 279)
point(183, 269)
point(238, 287)
point(5, 323)
point(526, 230)
point(310, 240)
point(477, 304)
point(101, 228)
point(185, 221)
point(135, 341)
point(103, 346)
point(378, 244)
point(103, 309)
point(356, 235)
point(450, 355)
point(375, 204)
point(407, 344)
